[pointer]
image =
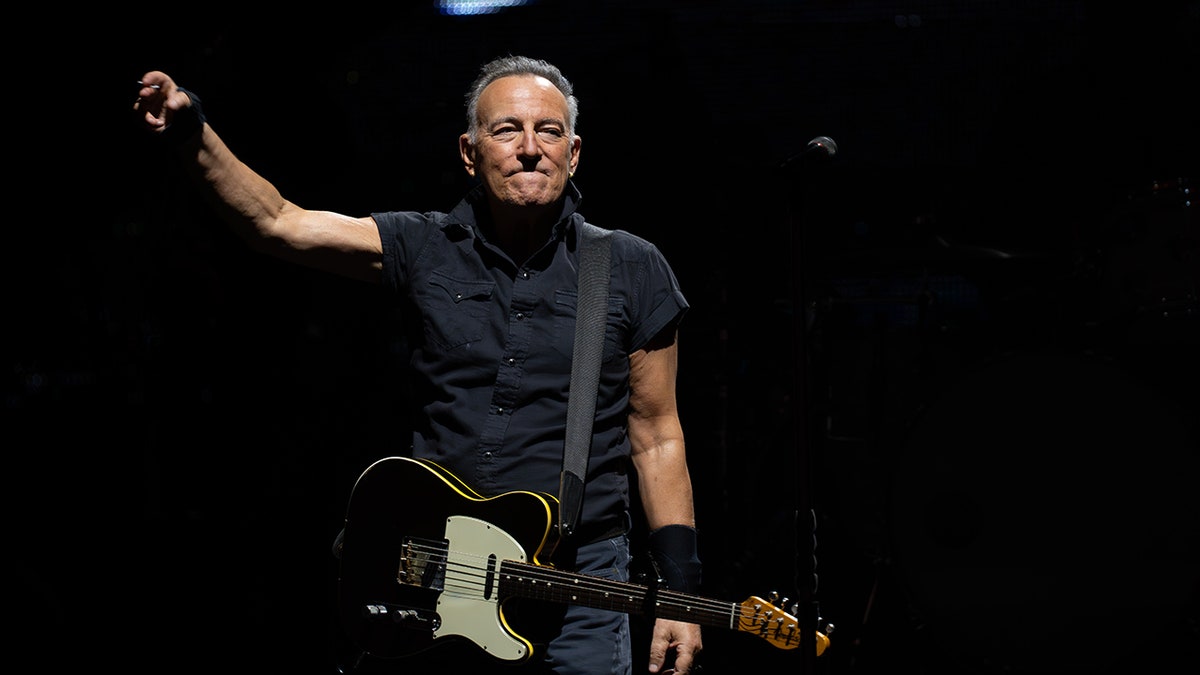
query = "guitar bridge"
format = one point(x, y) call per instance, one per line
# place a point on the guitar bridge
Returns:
point(423, 563)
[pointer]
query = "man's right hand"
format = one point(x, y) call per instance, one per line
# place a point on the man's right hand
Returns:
point(159, 100)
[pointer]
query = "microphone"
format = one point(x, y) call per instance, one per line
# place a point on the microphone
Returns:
point(821, 147)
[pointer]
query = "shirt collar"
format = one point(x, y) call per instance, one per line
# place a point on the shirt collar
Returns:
point(464, 214)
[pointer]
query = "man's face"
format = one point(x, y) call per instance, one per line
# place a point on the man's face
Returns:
point(523, 154)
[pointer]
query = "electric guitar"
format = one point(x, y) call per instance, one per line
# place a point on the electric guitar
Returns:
point(425, 559)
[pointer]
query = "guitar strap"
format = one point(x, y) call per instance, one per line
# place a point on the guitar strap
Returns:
point(595, 245)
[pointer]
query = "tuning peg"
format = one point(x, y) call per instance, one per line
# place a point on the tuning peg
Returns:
point(824, 626)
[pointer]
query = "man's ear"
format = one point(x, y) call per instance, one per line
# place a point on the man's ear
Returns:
point(576, 143)
point(467, 152)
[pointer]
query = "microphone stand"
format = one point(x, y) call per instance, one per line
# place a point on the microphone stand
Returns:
point(807, 607)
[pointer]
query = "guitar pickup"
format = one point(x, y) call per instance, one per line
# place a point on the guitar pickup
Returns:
point(405, 617)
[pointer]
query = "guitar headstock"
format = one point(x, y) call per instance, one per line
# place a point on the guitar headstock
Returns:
point(761, 618)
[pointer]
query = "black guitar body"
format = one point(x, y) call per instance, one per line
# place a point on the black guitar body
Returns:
point(398, 568)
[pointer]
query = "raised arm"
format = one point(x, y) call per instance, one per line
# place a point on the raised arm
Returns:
point(248, 202)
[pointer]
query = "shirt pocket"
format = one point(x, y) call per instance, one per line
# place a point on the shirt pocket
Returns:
point(565, 308)
point(456, 310)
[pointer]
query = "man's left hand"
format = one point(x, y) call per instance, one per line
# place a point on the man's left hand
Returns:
point(678, 639)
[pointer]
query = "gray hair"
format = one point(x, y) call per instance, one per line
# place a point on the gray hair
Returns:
point(519, 65)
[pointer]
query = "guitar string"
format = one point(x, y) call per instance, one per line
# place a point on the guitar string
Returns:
point(470, 579)
point(714, 612)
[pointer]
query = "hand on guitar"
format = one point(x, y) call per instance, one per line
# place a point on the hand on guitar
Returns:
point(675, 639)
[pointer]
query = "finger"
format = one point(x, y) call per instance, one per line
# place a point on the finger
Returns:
point(150, 96)
point(154, 80)
point(151, 107)
point(154, 88)
point(683, 661)
point(658, 655)
point(656, 661)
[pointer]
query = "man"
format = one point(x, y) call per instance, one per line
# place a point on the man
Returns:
point(489, 291)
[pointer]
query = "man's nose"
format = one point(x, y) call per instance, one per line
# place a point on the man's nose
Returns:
point(529, 144)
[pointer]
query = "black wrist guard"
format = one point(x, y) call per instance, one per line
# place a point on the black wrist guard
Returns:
point(676, 557)
point(186, 122)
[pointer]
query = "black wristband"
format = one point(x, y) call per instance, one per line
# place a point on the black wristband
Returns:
point(677, 557)
point(186, 122)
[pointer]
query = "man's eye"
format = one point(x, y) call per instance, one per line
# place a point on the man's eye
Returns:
point(554, 134)
point(504, 134)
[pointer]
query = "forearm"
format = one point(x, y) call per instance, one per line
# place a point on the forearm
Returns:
point(256, 211)
point(666, 491)
point(665, 484)
point(246, 201)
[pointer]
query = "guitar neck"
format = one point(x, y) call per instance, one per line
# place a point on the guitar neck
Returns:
point(534, 581)
point(525, 580)
point(755, 615)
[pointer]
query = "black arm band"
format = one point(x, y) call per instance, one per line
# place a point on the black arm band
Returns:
point(677, 557)
point(186, 122)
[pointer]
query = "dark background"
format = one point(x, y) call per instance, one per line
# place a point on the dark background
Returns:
point(991, 412)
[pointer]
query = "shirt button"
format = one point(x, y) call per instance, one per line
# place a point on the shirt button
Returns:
point(520, 315)
point(510, 361)
point(524, 274)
